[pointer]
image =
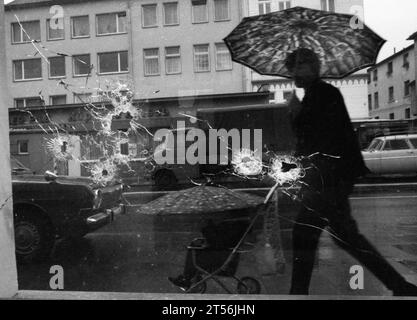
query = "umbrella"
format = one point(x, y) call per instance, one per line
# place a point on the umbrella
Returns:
point(201, 199)
point(263, 42)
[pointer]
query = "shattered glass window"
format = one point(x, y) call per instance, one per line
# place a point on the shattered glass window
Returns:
point(175, 159)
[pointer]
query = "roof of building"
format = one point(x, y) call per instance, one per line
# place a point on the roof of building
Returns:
point(392, 57)
point(25, 4)
point(413, 36)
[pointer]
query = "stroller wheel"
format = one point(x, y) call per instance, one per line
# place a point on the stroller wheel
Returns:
point(201, 288)
point(248, 285)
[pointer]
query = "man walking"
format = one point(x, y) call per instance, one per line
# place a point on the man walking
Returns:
point(322, 127)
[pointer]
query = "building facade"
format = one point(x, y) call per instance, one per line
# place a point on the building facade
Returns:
point(391, 88)
point(155, 45)
point(353, 88)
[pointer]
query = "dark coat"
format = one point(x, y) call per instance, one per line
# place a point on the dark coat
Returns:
point(323, 125)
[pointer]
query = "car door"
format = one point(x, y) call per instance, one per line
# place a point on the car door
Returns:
point(372, 156)
point(395, 157)
point(413, 142)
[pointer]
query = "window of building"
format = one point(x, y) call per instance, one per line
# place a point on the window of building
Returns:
point(369, 78)
point(201, 58)
point(375, 75)
point(112, 62)
point(328, 5)
point(23, 147)
point(111, 23)
point(82, 97)
point(221, 10)
point(287, 95)
point(392, 116)
point(151, 61)
point(223, 58)
point(26, 31)
point(408, 113)
point(171, 14)
point(173, 60)
point(81, 65)
point(390, 68)
point(376, 100)
point(149, 15)
point(29, 69)
point(55, 29)
point(80, 27)
point(21, 103)
point(406, 63)
point(370, 102)
point(58, 100)
point(199, 11)
point(284, 5)
point(391, 94)
point(264, 6)
point(407, 88)
point(57, 67)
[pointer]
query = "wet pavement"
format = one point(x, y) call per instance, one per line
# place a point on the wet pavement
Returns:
point(137, 253)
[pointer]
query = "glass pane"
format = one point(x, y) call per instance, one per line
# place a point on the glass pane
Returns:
point(54, 30)
point(107, 23)
point(17, 36)
point(171, 13)
point(199, 11)
point(399, 145)
point(223, 61)
point(19, 103)
point(57, 100)
point(80, 26)
point(173, 65)
point(34, 102)
point(201, 58)
point(81, 64)
point(149, 16)
point(33, 30)
point(124, 62)
point(414, 142)
point(33, 68)
point(221, 10)
point(57, 67)
point(122, 22)
point(18, 70)
point(108, 62)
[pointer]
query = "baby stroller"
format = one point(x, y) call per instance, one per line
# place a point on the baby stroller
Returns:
point(217, 255)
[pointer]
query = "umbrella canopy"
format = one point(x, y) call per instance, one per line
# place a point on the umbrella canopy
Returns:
point(201, 199)
point(264, 42)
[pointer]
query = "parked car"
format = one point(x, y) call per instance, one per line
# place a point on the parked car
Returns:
point(395, 154)
point(49, 207)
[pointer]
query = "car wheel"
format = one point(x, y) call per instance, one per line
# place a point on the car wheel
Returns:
point(165, 180)
point(33, 238)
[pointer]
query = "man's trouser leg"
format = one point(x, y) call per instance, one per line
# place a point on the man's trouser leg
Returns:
point(348, 237)
point(306, 235)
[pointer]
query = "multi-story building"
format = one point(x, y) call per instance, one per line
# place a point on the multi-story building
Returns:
point(164, 48)
point(391, 88)
point(353, 88)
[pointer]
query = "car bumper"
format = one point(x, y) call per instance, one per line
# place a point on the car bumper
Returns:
point(105, 217)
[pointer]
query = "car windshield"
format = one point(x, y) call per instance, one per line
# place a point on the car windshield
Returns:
point(375, 145)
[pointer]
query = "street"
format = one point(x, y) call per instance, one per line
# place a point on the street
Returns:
point(137, 254)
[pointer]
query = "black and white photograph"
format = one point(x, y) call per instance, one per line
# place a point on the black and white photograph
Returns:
point(234, 150)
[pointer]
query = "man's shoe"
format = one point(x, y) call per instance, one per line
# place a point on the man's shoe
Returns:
point(180, 282)
point(406, 290)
